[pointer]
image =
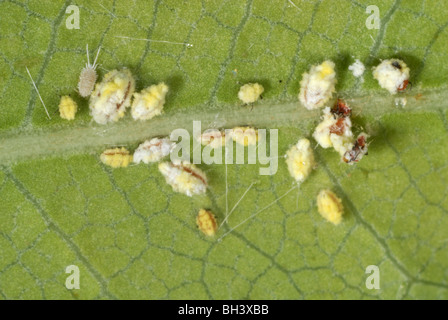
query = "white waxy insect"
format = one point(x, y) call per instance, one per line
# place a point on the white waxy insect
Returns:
point(300, 160)
point(317, 85)
point(88, 76)
point(250, 92)
point(357, 68)
point(330, 206)
point(213, 137)
point(153, 150)
point(392, 75)
point(184, 177)
point(149, 102)
point(322, 132)
point(111, 97)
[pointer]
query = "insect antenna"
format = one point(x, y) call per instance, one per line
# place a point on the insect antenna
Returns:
point(96, 58)
point(87, 50)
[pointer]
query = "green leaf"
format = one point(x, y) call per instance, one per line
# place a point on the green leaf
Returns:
point(132, 237)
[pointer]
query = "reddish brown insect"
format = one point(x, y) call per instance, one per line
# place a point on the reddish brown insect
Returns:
point(341, 109)
point(358, 150)
point(339, 127)
point(403, 86)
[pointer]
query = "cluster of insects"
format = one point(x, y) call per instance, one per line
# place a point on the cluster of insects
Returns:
point(183, 176)
point(335, 129)
point(109, 99)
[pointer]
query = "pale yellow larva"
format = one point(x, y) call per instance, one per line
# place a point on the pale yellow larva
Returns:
point(206, 222)
point(88, 76)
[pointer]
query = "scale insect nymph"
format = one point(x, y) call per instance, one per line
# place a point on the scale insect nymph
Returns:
point(88, 76)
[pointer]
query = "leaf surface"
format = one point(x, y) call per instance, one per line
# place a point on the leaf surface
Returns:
point(126, 230)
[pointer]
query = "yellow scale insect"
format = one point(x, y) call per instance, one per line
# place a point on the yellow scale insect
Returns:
point(206, 222)
point(67, 108)
point(116, 157)
point(149, 102)
point(330, 206)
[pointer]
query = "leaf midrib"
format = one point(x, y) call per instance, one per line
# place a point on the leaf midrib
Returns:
point(18, 145)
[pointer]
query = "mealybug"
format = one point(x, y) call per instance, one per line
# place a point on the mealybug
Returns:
point(88, 76)
point(111, 97)
point(250, 92)
point(184, 177)
point(153, 150)
point(300, 160)
point(317, 85)
point(149, 102)
point(392, 75)
point(334, 131)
